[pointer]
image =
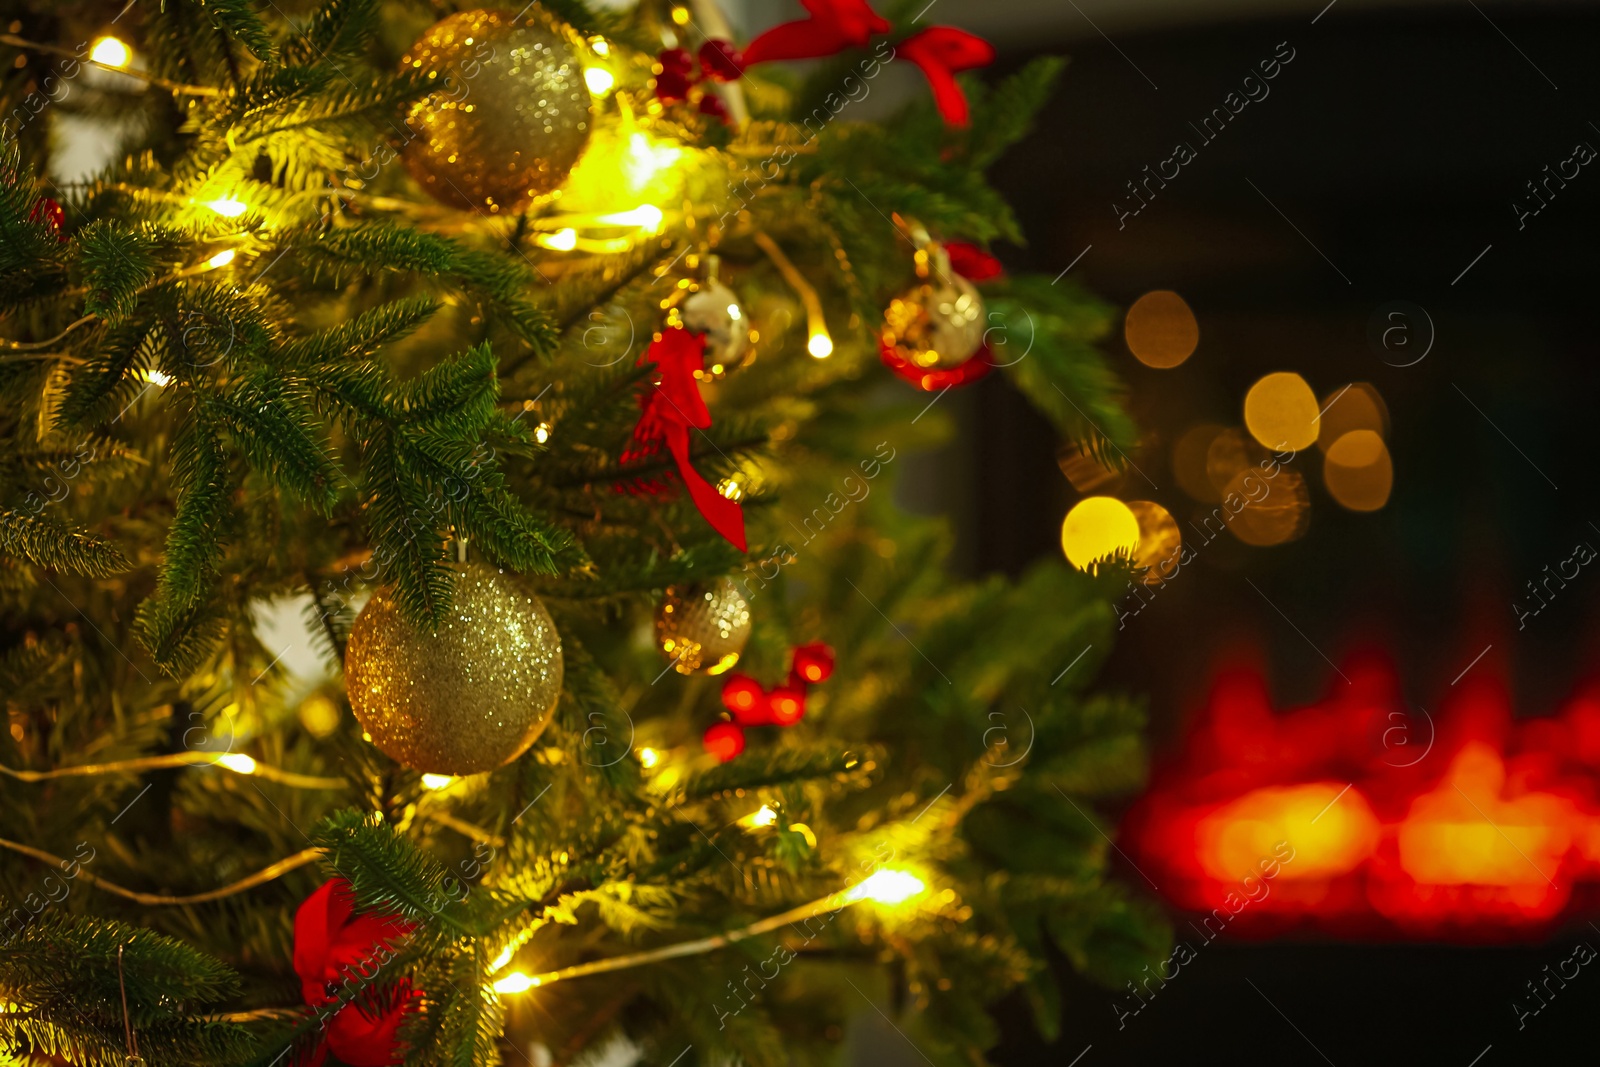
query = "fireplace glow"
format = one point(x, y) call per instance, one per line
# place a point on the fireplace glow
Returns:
point(1457, 823)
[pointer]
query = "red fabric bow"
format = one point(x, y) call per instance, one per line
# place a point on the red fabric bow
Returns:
point(332, 944)
point(942, 52)
point(834, 25)
point(672, 407)
point(972, 262)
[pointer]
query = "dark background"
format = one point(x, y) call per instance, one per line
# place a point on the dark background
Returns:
point(1395, 141)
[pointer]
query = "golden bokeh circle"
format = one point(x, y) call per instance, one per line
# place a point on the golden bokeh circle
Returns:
point(1281, 412)
point(1160, 329)
point(1098, 528)
point(1230, 452)
point(1357, 406)
point(1358, 471)
point(1276, 509)
point(1160, 542)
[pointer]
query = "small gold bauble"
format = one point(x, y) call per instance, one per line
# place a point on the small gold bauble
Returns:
point(715, 311)
point(937, 324)
point(511, 114)
point(703, 627)
point(467, 699)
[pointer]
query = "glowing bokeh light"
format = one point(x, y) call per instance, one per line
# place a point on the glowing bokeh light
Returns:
point(1098, 529)
point(237, 762)
point(1358, 471)
point(1160, 541)
point(1161, 330)
point(515, 982)
point(1086, 473)
point(887, 887)
point(1281, 412)
point(599, 80)
point(1270, 511)
point(1356, 406)
point(111, 52)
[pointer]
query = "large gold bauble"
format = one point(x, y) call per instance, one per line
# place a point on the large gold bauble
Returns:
point(468, 698)
point(937, 324)
point(703, 626)
point(511, 115)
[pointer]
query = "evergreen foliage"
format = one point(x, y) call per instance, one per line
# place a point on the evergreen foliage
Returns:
point(187, 436)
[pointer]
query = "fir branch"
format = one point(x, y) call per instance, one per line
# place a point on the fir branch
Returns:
point(776, 767)
point(239, 19)
point(388, 873)
point(46, 542)
point(117, 263)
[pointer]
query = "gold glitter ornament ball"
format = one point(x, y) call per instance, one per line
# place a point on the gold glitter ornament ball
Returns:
point(703, 626)
point(463, 700)
point(511, 114)
point(937, 324)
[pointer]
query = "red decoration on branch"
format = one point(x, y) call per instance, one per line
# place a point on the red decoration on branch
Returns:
point(677, 68)
point(724, 740)
point(720, 61)
point(672, 407)
point(972, 262)
point(943, 52)
point(834, 25)
point(751, 704)
point(334, 945)
point(49, 213)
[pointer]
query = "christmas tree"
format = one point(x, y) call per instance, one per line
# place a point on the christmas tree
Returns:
point(557, 364)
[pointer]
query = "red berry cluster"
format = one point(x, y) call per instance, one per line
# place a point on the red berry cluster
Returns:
point(719, 61)
point(751, 704)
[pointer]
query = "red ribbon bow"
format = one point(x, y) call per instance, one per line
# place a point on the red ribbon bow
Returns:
point(333, 945)
point(834, 25)
point(751, 704)
point(672, 407)
point(943, 52)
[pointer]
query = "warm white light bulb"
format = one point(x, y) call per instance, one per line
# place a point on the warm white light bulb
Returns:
point(887, 887)
point(238, 762)
point(228, 208)
point(516, 982)
point(562, 240)
point(110, 51)
point(221, 259)
point(599, 80)
point(437, 781)
point(820, 345)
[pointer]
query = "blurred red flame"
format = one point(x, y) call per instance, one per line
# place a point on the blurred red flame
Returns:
point(1458, 824)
